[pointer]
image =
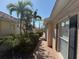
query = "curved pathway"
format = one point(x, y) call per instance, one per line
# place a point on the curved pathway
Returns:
point(43, 51)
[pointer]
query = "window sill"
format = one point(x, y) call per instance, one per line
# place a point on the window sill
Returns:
point(65, 38)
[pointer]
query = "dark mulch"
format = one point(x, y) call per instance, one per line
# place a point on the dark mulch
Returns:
point(14, 55)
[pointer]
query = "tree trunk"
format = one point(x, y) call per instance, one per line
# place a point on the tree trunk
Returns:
point(21, 17)
point(20, 28)
point(39, 24)
point(33, 23)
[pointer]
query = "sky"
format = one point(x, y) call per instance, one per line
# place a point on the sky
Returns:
point(44, 7)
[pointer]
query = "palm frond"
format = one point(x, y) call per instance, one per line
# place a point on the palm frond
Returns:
point(27, 3)
point(38, 17)
point(35, 13)
point(23, 4)
point(18, 13)
point(11, 7)
point(28, 11)
point(11, 10)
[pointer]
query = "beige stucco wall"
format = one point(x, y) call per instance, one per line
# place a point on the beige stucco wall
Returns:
point(7, 28)
point(54, 43)
point(49, 36)
point(68, 11)
point(54, 37)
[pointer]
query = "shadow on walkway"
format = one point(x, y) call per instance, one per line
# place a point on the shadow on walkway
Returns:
point(42, 51)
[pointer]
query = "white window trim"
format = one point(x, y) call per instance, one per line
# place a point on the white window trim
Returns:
point(64, 38)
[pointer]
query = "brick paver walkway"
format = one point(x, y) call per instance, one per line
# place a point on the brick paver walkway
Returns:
point(43, 51)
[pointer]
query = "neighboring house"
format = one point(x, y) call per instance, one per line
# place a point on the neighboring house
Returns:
point(8, 24)
point(63, 29)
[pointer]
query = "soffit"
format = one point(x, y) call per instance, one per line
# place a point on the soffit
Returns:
point(60, 4)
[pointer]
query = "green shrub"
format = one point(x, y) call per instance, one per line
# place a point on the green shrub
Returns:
point(34, 37)
point(22, 44)
point(40, 33)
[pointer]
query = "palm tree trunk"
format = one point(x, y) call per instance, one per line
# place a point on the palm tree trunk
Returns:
point(39, 24)
point(20, 28)
point(21, 24)
point(33, 23)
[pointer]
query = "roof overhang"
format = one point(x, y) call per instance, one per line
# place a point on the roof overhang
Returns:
point(8, 20)
point(59, 6)
point(6, 17)
point(62, 9)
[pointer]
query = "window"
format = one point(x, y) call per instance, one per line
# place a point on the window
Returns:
point(64, 30)
point(63, 36)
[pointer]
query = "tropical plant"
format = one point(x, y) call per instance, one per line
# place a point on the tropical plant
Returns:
point(28, 20)
point(35, 17)
point(20, 8)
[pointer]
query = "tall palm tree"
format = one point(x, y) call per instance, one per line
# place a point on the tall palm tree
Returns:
point(20, 8)
point(27, 19)
point(36, 17)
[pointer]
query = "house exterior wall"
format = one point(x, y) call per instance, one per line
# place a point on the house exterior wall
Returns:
point(49, 36)
point(54, 43)
point(7, 28)
point(54, 40)
point(67, 12)
point(53, 37)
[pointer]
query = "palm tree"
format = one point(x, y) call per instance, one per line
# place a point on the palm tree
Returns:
point(27, 19)
point(36, 17)
point(20, 8)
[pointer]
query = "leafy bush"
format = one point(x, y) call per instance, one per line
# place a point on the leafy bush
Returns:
point(40, 33)
point(27, 42)
point(34, 37)
point(24, 44)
